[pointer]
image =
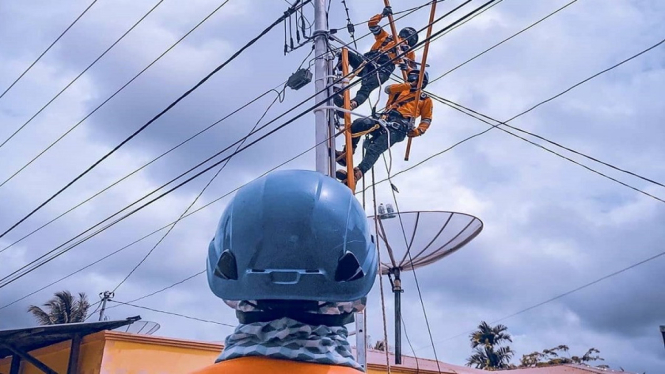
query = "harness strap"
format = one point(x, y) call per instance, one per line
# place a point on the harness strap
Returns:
point(402, 103)
point(361, 133)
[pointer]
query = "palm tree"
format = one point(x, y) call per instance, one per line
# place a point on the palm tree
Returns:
point(489, 336)
point(489, 359)
point(63, 308)
point(483, 341)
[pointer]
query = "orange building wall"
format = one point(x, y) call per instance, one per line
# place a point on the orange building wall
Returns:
point(128, 353)
point(57, 357)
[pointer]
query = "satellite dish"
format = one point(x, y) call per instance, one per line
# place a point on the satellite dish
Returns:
point(140, 327)
point(409, 240)
point(430, 236)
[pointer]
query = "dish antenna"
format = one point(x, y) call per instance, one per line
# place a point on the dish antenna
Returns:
point(427, 236)
point(140, 327)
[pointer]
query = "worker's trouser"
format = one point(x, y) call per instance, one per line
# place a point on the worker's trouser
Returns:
point(370, 79)
point(378, 141)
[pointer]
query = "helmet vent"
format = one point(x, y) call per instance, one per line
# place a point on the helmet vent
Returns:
point(348, 268)
point(226, 266)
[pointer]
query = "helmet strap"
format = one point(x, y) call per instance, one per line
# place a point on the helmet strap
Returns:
point(298, 315)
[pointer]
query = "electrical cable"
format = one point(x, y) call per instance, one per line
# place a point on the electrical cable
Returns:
point(169, 107)
point(168, 287)
point(499, 123)
point(534, 107)
point(160, 229)
point(79, 76)
point(409, 11)
point(64, 250)
point(114, 94)
point(46, 50)
point(607, 276)
point(173, 314)
point(278, 97)
point(411, 346)
point(378, 250)
point(71, 274)
point(413, 269)
point(99, 304)
point(349, 25)
point(560, 155)
point(145, 165)
point(503, 41)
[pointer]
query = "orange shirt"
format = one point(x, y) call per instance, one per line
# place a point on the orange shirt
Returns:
point(264, 365)
point(401, 92)
point(380, 37)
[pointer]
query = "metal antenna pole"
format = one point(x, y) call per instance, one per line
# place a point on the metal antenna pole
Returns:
point(320, 82)
point(397, 289)
point(361, 339)
point(106, 295)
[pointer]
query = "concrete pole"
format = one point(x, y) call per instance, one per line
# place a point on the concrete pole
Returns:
point(106, 295)
point(320, 81)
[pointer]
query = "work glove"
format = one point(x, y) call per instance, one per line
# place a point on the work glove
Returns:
point(387, 11)
point(415, 132)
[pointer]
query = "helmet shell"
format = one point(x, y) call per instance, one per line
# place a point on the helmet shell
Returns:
point(413, 77)
point(292, 235)
point(410, 35)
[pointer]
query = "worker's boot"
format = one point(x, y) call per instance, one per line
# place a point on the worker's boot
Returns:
point(341, 174)
point(340, 156)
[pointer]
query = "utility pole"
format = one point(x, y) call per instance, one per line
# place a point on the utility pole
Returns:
point(325, 130)
point(321, 73)
point(105, 296)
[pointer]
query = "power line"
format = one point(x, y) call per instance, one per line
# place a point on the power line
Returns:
point(412, 10)
point(71, 274)
point(532, 108)
point(98, 303)
point(34, 264)
point(43, 53)
point(278, 97)
point(169, 287)
point(499, 123)
point(143, 166)
point(156, 231)
point(566, 293)
point(113, 95)
point(173, 314)
point(79, 76)
point(169, 107)
point(503, 41)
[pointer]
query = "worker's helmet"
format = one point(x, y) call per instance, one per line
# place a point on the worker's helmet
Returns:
point(292, 235)
point(413, 77)
point(410, 35)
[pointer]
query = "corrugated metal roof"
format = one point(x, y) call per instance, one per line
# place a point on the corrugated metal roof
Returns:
point(31, 338)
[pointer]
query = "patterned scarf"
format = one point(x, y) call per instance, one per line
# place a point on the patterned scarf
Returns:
point(289, 339)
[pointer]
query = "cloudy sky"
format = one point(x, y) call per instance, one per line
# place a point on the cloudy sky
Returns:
point(550, 225)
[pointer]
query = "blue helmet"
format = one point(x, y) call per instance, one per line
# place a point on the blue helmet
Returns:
point(292, 235)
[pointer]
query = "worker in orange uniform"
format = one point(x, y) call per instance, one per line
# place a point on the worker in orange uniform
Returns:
point(400, 119)
point(293, 255)
point(380, 60)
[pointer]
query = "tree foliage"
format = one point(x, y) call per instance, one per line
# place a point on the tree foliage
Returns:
point(488, 353)
point(62, 308)
point(552, 356)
